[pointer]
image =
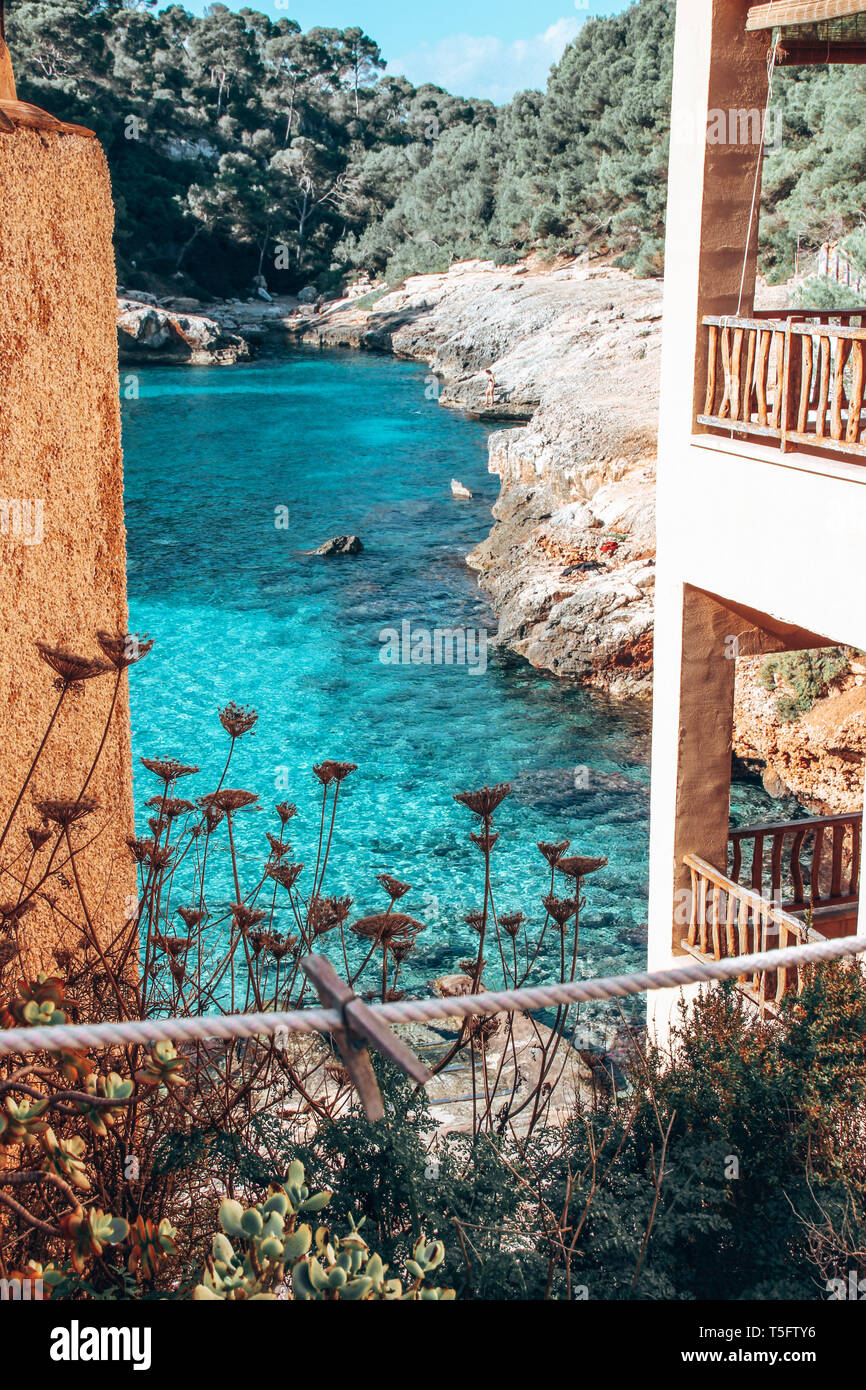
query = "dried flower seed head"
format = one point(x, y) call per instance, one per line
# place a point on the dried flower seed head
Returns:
point(178, 971)
point(485, 841)
point(331, 771)
point(171, 807)
point(156, 826)
point(169, 770)
point(553, 853)
point(212, 817)
point(286, 810)
point(191, 917)
point(173, 945)
point(559, 910)
point(326, 913)
point(228, 799)
point(285, 874)
point(13, 912)
point(66, 813)
point(393, 887)
point(279, 849)
point(338, 1074)
point(469, 967)
point(578, 867)
point(146, 852)
point(479, 1030)
point(258, 941)
point(237, 720)
point(281, 946)
point(38, 838)
point(387, 927)
point(484, 802)
point(69, 668)
point(511, 922)
point(475, 920)
point(124, 648)
point(400, 950)
point(246, 917)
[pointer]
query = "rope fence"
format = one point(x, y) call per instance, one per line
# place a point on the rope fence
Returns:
point(86, 1035)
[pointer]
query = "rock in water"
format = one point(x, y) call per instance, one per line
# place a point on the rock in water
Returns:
point(147, 333)
point(458, 490)
point(341, 545)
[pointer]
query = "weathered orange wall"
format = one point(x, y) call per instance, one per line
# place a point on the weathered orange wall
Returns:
point(60, 443)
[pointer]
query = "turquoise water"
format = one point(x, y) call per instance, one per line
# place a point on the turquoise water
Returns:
point(351, 443)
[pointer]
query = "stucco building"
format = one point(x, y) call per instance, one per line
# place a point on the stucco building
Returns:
point(761, 502)
point(62, 540)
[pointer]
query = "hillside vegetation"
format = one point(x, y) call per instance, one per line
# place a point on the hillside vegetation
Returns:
point(240, 145)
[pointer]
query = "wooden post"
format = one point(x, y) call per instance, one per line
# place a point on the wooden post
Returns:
point(361, 1026)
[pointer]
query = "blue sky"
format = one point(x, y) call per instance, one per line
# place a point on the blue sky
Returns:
point(483, 48)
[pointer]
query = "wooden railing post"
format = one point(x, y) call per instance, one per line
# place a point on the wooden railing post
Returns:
point(750, 923)
point(806, 378)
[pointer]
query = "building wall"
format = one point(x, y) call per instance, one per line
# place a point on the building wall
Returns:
point(60, 447)
point(780, 534)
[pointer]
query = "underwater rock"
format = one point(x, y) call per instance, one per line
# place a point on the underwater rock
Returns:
point(341, 545)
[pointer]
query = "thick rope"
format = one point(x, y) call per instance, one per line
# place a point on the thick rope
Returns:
point(71, 1036)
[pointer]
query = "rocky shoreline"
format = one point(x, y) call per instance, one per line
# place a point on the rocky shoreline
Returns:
point(565, 359)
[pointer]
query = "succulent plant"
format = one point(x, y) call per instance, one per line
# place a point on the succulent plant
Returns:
point(36, 1004)
point(88, 1232)
point(65, 1158)
point(33, 1273)
point(272, 1251)
point(150, 1244)
point(20, 1123)
point(162, 1067)
point(74, 1066)
point(100, 1118)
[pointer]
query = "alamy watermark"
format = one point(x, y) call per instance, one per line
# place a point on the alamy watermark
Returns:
point(850, 1290)
point(21, 1290)
point(22, 519)
point(441, 646)
point(738, 126)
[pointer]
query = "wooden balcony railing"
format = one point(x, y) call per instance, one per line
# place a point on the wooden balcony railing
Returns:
point(727, 920)
point(797, 377)
point(812, 863)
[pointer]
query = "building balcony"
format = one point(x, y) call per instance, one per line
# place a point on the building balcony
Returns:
point(786, 883)
point(794, 379)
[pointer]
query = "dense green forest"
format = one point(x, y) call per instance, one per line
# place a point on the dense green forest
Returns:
point(241, 146)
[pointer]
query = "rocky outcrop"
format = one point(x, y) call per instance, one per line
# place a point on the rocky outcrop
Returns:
point(817, 758)
point(147, 332)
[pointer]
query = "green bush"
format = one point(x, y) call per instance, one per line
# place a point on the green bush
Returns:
point(802, 678)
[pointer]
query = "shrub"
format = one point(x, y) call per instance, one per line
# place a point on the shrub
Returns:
point(802, 678)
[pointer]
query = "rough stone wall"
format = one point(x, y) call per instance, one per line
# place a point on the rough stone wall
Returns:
point(60, 452)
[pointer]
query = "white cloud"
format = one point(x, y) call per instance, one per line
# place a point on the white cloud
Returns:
point(484, 66)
